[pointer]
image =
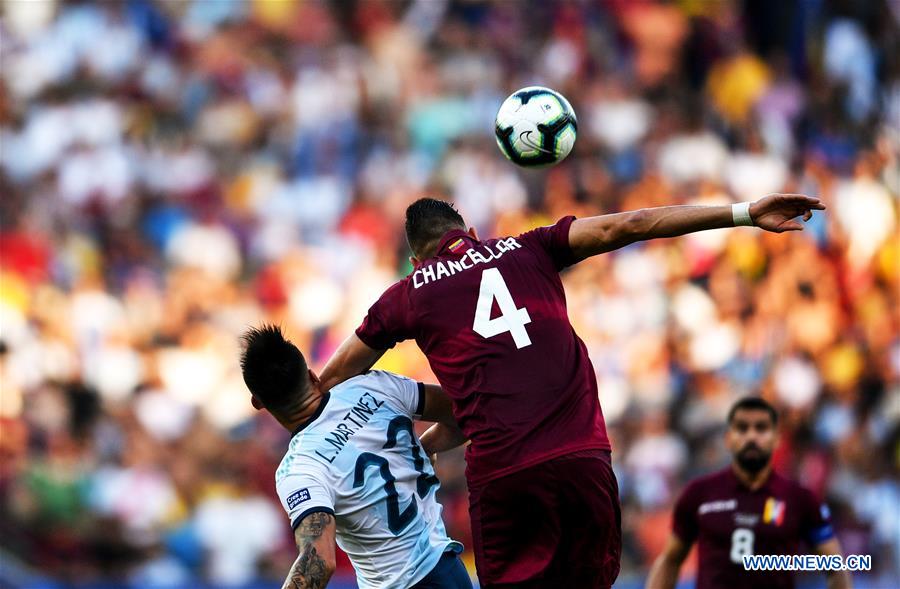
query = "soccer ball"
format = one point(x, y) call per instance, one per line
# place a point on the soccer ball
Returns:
point(536, 127)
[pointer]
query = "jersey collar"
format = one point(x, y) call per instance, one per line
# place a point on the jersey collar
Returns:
point(739, 484)
point(314, 416)
point(450, 238)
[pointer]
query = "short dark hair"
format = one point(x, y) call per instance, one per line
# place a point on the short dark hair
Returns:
point(427, 220)
point(273, 368)
point(753, 403)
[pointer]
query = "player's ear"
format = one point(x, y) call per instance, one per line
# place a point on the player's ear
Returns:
point(255, 402)
point(314, 380)
point(414, 261)
point(473, 233)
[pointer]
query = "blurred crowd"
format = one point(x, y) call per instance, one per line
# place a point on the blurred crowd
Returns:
point(174, 172)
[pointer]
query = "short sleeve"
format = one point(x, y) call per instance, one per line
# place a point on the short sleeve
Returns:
point(387, 322)
point(816, 527)
point(304, 493)
point(407, 395)
point(554, 241)
point(684, 516)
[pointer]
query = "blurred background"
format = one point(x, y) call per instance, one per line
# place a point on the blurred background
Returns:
point(174, 172)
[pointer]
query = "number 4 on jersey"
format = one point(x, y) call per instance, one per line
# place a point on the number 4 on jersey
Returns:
point(511, 319)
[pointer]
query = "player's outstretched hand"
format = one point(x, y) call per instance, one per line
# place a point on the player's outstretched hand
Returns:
point(777, 212)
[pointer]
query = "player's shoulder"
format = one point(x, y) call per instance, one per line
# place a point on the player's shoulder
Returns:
point(789, 487)
point(398, 292)
point(375, 389)
point(400, 286)
point(497, 239)
point(299, 460)
point(548, 227)
point(376, 381)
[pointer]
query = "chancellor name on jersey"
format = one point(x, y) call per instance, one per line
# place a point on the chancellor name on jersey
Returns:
point(729, 521)
point(359, 459)
point(431, 272)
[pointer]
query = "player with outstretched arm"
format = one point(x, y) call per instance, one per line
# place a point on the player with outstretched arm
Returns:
point(490, 316)
point(354, 472)
point(743, 510)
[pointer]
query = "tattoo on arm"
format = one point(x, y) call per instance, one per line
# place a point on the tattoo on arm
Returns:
point(313, 525)
point(310, 570)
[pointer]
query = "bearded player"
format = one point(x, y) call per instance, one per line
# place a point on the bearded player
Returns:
point(746, 509)
point(491, 318)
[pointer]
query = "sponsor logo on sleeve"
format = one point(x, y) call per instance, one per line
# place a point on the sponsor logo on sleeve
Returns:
point(297, 497)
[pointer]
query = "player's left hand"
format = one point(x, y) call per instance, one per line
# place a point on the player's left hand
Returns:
point(777, 212)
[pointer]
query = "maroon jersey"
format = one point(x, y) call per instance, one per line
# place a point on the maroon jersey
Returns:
point(728, 521)
point(491, 318)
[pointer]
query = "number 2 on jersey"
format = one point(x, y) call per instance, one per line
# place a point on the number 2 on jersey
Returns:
point(397, 520)
point(511, 319)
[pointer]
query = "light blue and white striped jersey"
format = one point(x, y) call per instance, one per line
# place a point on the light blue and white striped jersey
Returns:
point(358, 458)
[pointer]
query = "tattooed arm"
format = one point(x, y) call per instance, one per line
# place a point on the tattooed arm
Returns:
point(315, 540)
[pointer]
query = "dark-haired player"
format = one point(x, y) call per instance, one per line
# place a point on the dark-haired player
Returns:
point(354, 471)
point(491, 318)
point(745, 509)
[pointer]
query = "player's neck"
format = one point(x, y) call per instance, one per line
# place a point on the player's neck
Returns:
point(752, 480)
point(307, 409)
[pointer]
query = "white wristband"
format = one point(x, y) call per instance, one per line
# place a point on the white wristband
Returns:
point(740, 213)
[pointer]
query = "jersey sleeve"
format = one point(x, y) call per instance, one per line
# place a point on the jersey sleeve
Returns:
point(304, 493)
point(388, 320)
point(684, 515)
point(816, 524)
point(554, 241)
point(406, 395)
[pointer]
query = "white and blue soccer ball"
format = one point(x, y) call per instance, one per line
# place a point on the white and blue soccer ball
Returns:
point(536, 127)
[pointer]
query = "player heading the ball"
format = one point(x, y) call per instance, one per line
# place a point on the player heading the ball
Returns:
point(491, 317)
